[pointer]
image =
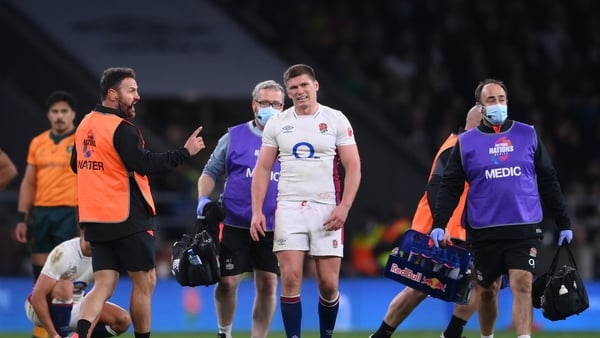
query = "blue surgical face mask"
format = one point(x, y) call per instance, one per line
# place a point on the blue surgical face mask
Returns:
point(264, 114)
point(496, 114)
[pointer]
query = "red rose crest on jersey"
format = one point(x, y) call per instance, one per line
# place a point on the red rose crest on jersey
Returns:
point(323, 127)
point(533, 252)
point(350, 132)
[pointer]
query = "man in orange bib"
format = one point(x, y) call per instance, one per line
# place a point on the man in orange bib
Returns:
point(116, 207)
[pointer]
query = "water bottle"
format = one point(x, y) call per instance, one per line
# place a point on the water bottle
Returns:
point(426, 263)
point(193, 257)
point(438, 262)
point(454, 267)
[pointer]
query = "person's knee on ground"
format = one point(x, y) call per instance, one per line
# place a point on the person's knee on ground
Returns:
point(121, 323)
point(117, 318)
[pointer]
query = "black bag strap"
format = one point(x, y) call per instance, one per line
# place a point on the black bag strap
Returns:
point(554, 263)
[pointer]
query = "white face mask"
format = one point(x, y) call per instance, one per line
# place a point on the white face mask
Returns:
point(496, 114)
point(264, 114)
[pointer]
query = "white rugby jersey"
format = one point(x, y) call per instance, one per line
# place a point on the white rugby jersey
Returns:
point(66, 261)
point(307, 152)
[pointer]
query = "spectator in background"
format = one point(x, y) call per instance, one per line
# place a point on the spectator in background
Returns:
point(47, 206)
point(116, 205)
point(8, 170)
point(235, 157)
point(310, 140)
point(509, 172)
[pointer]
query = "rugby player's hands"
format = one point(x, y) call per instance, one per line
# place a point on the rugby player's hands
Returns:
point(21, 232)
point(336, 220)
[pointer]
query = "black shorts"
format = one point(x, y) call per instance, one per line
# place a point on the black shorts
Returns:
point(492, 259)
point(136, 252)
point(240, 253)
point(50, 226)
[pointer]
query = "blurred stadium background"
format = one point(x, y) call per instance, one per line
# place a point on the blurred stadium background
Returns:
point(403, 71)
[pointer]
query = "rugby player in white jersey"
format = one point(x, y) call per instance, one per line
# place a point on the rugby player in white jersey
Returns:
point(55, 300)
point(310, 140)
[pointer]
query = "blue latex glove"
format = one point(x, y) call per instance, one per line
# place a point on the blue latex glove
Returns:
point(437, 235)
point(565, 234)
point(202, 202)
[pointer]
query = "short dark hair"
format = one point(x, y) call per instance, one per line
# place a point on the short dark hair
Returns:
point(297, 70)
point(486, 82)
point(112, 77)
point(60, 96)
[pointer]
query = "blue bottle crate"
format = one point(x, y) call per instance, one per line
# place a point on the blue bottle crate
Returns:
point(443, 272)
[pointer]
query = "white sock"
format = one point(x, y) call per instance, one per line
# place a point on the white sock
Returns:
point(524, 336)
point(490, 336)
point(226, 330)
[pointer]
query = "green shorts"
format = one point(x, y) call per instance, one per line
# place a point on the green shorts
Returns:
point(49, 226)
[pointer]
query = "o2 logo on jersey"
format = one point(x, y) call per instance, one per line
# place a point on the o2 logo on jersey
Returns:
point(304, 150)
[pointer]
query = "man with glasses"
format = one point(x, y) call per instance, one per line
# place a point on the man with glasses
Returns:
point(234, 158)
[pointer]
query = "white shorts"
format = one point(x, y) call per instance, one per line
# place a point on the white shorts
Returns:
point(299, 226)
point(36, 321)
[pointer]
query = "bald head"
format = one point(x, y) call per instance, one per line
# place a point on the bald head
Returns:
point(473, 117)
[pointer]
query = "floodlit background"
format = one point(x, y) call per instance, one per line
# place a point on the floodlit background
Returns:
point(403, 71)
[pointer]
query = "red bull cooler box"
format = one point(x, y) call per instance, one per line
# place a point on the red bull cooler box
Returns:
point(443, 272)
